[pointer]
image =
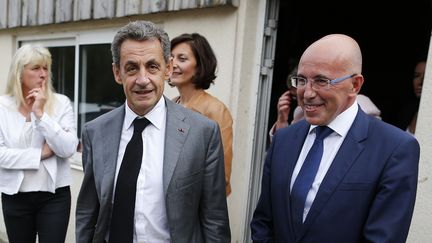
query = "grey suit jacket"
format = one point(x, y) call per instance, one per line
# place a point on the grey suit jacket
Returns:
point(193, 177)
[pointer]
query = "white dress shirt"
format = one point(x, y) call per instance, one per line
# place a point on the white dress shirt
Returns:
point(150, 218)
point(20, 152)
point(340, 125)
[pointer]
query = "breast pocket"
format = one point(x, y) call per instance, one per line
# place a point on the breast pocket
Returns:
point(357, 181)
point(359, 186)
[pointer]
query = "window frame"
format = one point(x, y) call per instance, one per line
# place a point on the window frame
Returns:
point(75, 39)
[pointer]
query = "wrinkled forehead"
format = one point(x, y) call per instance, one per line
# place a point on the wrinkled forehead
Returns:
point(322, 61)
point(314, 67)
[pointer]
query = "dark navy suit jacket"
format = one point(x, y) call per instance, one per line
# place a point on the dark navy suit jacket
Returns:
point(367, 195)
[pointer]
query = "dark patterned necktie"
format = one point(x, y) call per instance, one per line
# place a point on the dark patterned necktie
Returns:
point(122, 220)
point(306, 176)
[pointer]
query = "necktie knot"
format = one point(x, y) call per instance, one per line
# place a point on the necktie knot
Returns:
point(322, 132)
point(140, 124)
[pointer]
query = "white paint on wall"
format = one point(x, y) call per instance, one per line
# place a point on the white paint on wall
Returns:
point(420, 230)
point(6, 50)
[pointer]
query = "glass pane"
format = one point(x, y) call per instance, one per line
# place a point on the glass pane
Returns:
point(63, 66)
point(99, 93)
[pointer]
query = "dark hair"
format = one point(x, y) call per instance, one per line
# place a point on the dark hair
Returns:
point(204, 55)
point(140, 31)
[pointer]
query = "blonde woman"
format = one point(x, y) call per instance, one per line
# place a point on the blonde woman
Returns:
point(37, 136)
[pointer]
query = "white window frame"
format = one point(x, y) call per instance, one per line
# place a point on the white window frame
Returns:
point(76, 39)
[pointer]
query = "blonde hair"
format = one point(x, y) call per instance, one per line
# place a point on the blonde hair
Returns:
point(25, 55)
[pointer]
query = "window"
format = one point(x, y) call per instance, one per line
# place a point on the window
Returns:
point(81, 70)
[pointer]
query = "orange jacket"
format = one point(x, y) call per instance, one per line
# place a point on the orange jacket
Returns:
point(214, 109)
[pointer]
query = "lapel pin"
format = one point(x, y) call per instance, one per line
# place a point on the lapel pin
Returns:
point(180, 130)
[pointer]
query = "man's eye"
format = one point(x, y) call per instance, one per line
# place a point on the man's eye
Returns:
point(131, 69)
point(321, 81)
point(301, 81)
point(153, 68)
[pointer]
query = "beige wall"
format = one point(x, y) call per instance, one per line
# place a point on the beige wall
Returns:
point(422, 220)
point(6, 50)
point(236, 37)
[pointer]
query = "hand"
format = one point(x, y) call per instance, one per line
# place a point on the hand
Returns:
point(46, 152)
point(37, 98)
point(283, 108)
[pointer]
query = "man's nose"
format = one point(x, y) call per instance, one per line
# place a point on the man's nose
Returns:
point(309, 90)
point(142, 78)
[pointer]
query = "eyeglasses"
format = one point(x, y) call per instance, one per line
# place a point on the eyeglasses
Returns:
point(319, 82)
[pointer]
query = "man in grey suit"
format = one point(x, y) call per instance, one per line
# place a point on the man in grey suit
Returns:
point(180, 186)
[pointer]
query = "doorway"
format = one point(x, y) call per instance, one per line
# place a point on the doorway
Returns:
point(392, 36)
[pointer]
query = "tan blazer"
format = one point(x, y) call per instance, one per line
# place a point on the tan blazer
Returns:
point(214, 109)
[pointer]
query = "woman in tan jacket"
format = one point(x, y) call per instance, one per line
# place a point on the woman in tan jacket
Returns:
point(194, 71)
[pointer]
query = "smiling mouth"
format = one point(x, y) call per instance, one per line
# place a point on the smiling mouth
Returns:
point(311, 107)
point(142, 92)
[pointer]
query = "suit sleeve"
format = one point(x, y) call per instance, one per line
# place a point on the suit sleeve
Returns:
point(392, 209)
point(262, 220)
point(213, 208)
point(223, 117)
point(87, 208)
point(60, 131)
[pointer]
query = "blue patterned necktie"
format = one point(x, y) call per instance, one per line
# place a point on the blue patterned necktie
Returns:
point(122, 220)
point(306, 176)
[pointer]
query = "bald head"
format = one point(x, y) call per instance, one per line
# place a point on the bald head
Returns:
point(333, 57)
point(337, 50)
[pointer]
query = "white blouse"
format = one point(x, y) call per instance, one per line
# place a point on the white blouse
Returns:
point(21, 147)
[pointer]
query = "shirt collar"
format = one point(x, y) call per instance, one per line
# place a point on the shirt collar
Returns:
point(155, 115)
point(342, 123)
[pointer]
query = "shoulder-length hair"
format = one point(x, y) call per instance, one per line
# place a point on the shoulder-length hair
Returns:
point(206, 60)
point(29, 54)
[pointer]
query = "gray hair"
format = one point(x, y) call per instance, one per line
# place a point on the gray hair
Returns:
point(140, 31)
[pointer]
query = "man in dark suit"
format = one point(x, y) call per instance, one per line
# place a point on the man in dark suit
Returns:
point(364, 186)
point(178, 194)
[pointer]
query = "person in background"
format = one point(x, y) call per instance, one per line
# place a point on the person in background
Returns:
point(339, 175)
point(419, 73)
point(153, 170)
point(37, 136)
point(287, 107)
point(194, 64)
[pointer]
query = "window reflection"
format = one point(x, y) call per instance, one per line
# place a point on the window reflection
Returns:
point(98, 91)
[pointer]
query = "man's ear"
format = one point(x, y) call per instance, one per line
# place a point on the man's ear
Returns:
point(357, 83)
point(116, 72)
point(169, 68)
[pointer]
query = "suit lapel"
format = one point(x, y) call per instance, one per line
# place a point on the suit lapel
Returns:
point(175, 136)
point(295, 144)
point(110, 146)
point(350, 149)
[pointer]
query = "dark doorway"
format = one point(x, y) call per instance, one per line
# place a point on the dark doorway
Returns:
point(392, 35)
